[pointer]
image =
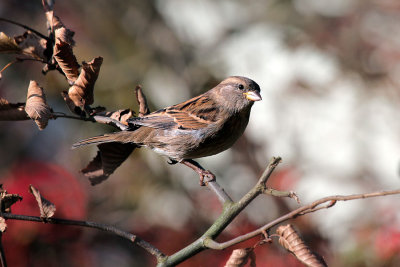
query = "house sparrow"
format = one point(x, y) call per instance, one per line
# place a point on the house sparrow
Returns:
point(202, 126)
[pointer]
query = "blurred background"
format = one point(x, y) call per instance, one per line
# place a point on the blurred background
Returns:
point(329, 76)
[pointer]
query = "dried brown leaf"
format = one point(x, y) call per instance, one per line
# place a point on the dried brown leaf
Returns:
point(7, 200)
point(70, 104)
point(8, 45)
point(55, 22)
point(141, 99)
point(66, 60)
point(49, 17)
point(57, 27)
point(121, 115)
point(12, 112)
point(48, 5)
point(240, 257)
point(291, 241)
point(3, 225)
point(81, 93)
point(36, 106)
point(65, 35)
point(47, 209)
point(97, 110)
point(109, 157)
point(32, 45)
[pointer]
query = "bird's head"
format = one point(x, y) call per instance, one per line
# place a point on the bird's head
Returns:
point(237, 93)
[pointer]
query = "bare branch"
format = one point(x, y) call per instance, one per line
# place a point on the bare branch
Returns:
point(25, 27)
point(2, 254)
point(277, 193)
point(104, 227)
point(223, 197)
point(96, 118)
point(110, 121)
point(314, 206)
point(230, 211)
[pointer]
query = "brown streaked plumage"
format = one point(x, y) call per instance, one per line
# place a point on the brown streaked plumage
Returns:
point(202, 126)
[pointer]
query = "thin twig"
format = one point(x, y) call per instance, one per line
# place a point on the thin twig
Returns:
point(104, 227)
point(56, 115)
point(314, 206)
point(8, 65)
point(277, 193)
point(96, 118)
point(2, 253)
point(223, 197)
point(230, 211)
point(26, 27)
point(110, 121)
point(17, 60)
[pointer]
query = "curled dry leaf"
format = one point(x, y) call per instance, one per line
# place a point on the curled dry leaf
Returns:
point(65, 35)
point(58, 29)
point(8, 45)
point(81, 93)
point(66, 60)
point(32, 45)
point(121, 115)
point(3, 225)
point(46, 208)
point(70, 104)
point(36, 106)
point(55, 22)
point(12, 112)
point(291, 241)
point(48, 5)
point(7, 200)
point(109, 157)
point(141, 99)
point(240, 257)
point(97, 110)
point(49, 16)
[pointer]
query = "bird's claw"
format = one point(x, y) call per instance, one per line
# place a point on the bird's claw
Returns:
point(205, 177)
point(172, 162)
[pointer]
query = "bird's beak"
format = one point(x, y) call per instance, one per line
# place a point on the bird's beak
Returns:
point(253, 96)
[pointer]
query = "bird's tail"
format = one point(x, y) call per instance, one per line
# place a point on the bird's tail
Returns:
point(101, 139)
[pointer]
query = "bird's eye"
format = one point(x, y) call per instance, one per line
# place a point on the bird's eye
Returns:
point(241, 87)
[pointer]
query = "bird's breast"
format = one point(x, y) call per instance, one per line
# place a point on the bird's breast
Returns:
point(218, 137)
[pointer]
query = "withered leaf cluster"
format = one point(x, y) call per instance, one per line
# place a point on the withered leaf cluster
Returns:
point(56, 51)
point(6, 201)
point(27, 46)
point(46, 208)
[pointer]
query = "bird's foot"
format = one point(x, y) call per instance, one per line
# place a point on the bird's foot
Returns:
point(205, 177)
point(172, 162)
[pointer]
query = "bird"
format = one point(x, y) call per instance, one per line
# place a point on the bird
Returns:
point(202, 126)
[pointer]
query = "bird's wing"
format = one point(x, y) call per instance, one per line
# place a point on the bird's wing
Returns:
point(196, 113)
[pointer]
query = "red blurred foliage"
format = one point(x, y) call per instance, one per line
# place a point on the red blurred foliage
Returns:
point(284, 178)
point(387, 243)
point(35, 244)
